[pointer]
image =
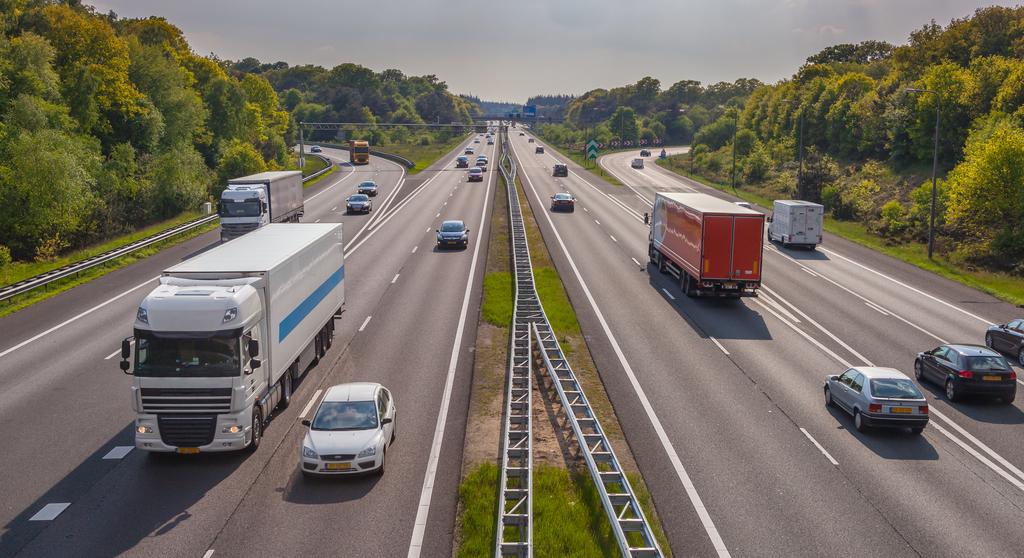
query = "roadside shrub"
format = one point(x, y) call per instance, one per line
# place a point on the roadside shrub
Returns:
point(894, 218)
point(5, 262)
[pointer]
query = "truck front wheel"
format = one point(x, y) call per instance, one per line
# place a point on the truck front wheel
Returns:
point(286, 389)
point(689, 289)
point(257, 429)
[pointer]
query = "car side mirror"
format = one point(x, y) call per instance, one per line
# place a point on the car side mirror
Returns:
point(254, 348)
point(254, 363)
point(833, 378)
point(466, 231)
point(386, 420)
point(305, 422)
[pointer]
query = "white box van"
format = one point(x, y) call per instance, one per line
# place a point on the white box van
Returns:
point(796, 223)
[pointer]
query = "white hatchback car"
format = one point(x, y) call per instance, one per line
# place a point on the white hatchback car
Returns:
point(351, 431)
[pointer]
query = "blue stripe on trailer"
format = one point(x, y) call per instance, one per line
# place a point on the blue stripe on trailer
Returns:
point(293, 319)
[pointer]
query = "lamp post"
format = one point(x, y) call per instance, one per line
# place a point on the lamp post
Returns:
point(735, 127)
point(935, 164)
point(800, 149)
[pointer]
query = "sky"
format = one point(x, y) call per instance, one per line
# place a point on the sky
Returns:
point(509, 50)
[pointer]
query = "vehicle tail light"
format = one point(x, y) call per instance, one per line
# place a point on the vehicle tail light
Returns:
point(965, 374)
point(923, 409)
point(874, 408)
point(1013, 375)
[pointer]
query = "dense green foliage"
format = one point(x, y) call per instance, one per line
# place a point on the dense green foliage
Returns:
point(108, 124)
point(643, 111)
point(869, 142)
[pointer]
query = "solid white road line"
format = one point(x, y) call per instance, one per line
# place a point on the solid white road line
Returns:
point(637, 262)
point(118, 452)
point(777, 306)
point(809, 272)
point(317, 221)
point(720, 346)
point(978, 456)
point(816, 324)
point(75, 318)
point(50, 511)
point(1013, 469)
point(668, 294)
point(395, 278)
point(208, 553)
point(659, 429)
point(819, 446)
point(312, 401)
point(876, 308)
point(423, 510)
point(902, 284)
point(366, 321)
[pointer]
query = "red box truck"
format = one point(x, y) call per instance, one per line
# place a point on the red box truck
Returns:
point(712, 246)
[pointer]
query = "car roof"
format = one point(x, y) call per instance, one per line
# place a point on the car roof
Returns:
point(973, 350)
point(365, 182)
point(456, 221)
point(355, 391)
point(877, 372)
point(566, 194)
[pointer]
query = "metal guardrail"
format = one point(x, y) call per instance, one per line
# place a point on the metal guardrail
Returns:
point(632, 531)
point(330, 165)
point(515, 513)
point(389, 156)
point(8, 292)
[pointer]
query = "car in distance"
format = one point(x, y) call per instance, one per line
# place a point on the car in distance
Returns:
point(367, 187)
point(560, 169)
point(539, 149)
point(530, 140)
point(358, 203)
point(476, 140)
point(481, 162)
point(452, 233)
point(315, 149)
point(522, 133)
point(1007, 338)
point(462, 162)
point(637, 163)
point(645, 153)
point(563, 201)
point(878, 397)
point(470, 150)
point(490, 141)
point(350, 432)
point(967, 369)
point(476, 174)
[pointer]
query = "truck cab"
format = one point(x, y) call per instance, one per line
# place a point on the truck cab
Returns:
point(242, 208)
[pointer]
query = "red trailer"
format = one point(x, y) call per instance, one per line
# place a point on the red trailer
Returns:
point(712, 246)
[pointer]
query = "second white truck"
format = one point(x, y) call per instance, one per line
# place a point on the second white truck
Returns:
point(796, 223)
point(220, 341)
point(251, 202)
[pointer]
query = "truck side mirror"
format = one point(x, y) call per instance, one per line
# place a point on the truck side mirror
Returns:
point(647, 218)
point(264, 207)
point(769, 219)
point(254, 348)
point(126, 348)
point(125, 365)
point(254, 363)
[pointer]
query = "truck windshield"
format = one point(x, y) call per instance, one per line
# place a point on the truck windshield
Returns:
point(192, 357)
point(232, 208)
point(363, 149)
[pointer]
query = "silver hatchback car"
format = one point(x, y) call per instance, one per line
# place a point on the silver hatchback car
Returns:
point(879, 397)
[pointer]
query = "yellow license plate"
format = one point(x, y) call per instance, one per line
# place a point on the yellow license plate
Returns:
point(340, 466)
point(901, 410)
point(992, 378)
point(188, 450)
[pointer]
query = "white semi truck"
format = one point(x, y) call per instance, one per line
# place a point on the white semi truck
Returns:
point(251, 202)
point(220, 341)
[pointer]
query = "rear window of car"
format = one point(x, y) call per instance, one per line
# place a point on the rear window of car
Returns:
point(563, 197)
point(986, 363)
point(895, 388)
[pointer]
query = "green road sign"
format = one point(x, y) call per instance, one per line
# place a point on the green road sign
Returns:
point(592, 149)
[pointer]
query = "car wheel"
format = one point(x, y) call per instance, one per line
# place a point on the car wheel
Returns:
point(988, 340)
point(1008, 400)
point(917, 430)
point(828, 398)
point(257, 429)
point(383, 460)
point(858, 422)
point(951, 393)
point(394, 432)
point(286, 389)
point(1020, 356)
point(918, 371)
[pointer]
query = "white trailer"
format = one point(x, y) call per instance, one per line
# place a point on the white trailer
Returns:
point(251, 202)
point(796, 223)
point(220, 341)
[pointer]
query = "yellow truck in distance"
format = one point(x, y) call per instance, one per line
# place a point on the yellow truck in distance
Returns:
point(359, 152)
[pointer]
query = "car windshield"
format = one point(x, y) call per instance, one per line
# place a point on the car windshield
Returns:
point(563, 197)
point(358, 198)
point(345, 415)
point(895, 388)
point(231, 208)
point(451, 227)
point(368, 184)
point(194, 357)
point(986, 363)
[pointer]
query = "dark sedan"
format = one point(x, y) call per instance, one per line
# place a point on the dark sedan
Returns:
point(967, 369)
point(1008, 339)
point(563, 201)
point(367, 187)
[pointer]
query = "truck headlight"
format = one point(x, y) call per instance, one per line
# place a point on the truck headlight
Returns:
point(232, 429)
point(308, 452)
point(143, 429)
point(372, 450)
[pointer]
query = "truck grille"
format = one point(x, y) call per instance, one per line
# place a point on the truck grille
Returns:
point(189, 431)
point(238, 229)
point(186, 400)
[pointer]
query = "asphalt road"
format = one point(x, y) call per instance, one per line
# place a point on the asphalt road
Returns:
point(409, 323)
point(721, 401)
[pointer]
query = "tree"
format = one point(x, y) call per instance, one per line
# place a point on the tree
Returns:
point(238, 159)
point(181, 180)
point(622, 124)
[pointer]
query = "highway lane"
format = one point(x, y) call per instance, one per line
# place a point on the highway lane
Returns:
point(79, 400)
point(908, 485)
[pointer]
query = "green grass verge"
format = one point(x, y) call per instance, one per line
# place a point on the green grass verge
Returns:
point(999, 285)
point(497, 306)
point(422, 155)
point(308, 183)
point(313, 164)
point(57, 287)
point(556, 302)
point(478, 499)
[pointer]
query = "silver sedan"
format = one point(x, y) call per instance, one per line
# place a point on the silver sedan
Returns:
point(878, 397)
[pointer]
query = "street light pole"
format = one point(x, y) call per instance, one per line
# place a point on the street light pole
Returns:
point(735, 127)
point(800, 150)
point(935, 164)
